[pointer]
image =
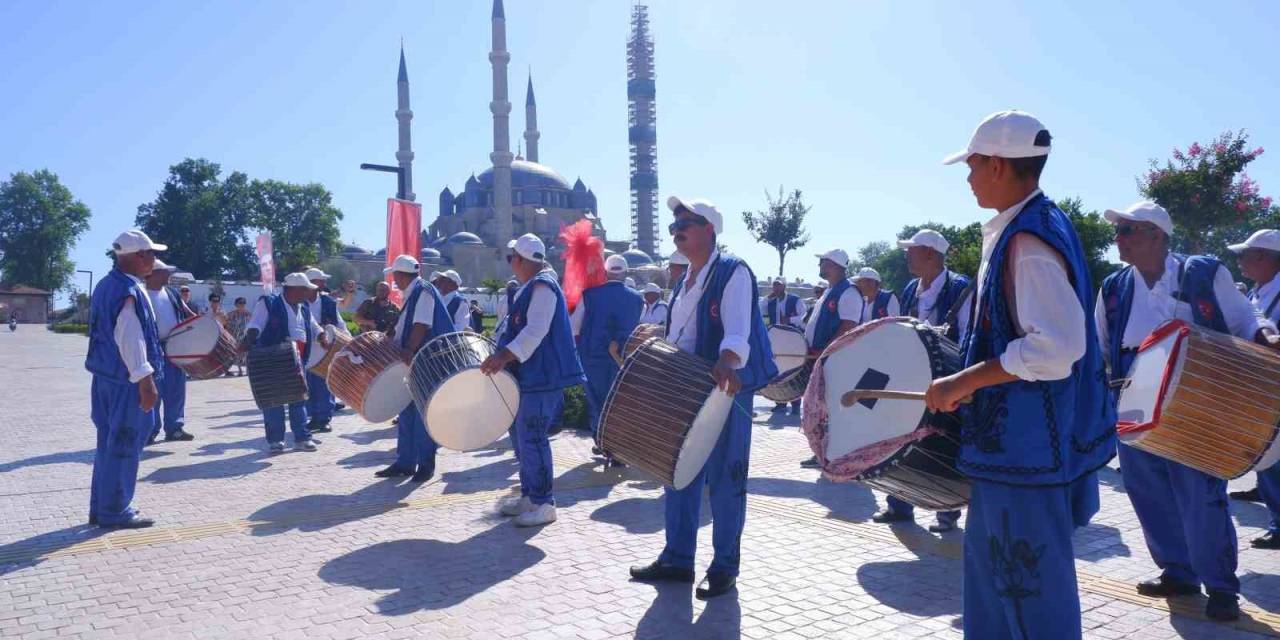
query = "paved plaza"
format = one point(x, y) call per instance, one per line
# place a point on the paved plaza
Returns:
point(311, 545)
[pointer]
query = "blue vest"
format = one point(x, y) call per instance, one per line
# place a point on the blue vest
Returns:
point(880, 306)
point(953, 285)
point(441, 322)
point(277, 329)
point(612, 312)
point(554, 364)
point(453, 309)
point(103, 359)
point(1195, 287)
point(828, 322)
point(789, 309)
point(329, 310)
point(1048, 432)
point(759, 369)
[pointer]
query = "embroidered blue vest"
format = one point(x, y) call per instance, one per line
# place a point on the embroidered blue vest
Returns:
point(880, 306)
point(828, 322)
point(759, 369)
point(277, 329)
point(612, 311)
point(789, 309)
point(441, 321)
point(953, 285)
point(554, 364)
point(103, 358)
point(1047, 432)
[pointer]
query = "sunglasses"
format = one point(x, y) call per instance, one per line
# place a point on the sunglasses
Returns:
point(510, 257)
point(1126, 230)
point(685, 223)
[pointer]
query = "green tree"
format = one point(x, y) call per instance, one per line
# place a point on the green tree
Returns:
point(202, 219)
point(781, 224)
point(1096, 237)
point(39, 221)
point(300, 217)
point(494, 285)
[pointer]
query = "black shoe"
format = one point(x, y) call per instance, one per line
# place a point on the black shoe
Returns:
point(887, 516)
point(424, 473)
point(177, 436)
point(338, 406)
point(614, 462)
point(93, 521)
point(1164, 587)
point(659, 571)
point(136, 522)
point(1252, 495)
point(1269, 540)
point(1222, 606)
point(319, 427)
point(811, 463)
point(942, 526)
point(596, 451)
point(393, 472)
point(715, 584)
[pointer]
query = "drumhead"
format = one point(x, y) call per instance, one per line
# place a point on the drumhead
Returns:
point(192, 337)
point(702, 437)
point(470, 410)
point(789, 347)
point(387, 395)
point(891, 356)
point(1147, 375)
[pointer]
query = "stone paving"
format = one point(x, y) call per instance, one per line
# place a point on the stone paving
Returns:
point(311, 545)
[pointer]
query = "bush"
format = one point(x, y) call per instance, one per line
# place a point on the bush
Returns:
point(349, 318)
point(71, 327)
point(574, 413)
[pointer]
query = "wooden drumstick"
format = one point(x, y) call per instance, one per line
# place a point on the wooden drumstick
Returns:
point(851, 398)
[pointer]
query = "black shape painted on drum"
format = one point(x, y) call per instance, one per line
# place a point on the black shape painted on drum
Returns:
point(872, 380)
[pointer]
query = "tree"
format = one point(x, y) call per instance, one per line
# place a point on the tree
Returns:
point(202, 219)
point(301, 219)
point(1096, 237)
point(39, 221)
point(781, 224)
point(494, 285)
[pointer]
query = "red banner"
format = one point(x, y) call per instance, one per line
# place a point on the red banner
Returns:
point(266, 265)
point(404, 235)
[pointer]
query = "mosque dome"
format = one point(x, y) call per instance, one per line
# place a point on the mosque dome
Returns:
point(354, 251)
point(528, 174)
point(464, 237)
point(381, 253)
point(636, 258)
point(428, 253)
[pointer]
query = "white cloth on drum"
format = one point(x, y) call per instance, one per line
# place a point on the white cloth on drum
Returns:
point(542, 308)
point(735, 313)
point(130, 341)
point(260, 317)
point(851, 307)
point(166, 316)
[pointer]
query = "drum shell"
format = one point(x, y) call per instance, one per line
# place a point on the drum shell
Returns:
point(370, 364)
point(202, 348)
point(923, 474)
point(321, 365)
point(275, 375)
point(488, 417)
point(640, 334)
point(788, 387)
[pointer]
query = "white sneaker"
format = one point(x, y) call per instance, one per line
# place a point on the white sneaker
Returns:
point(539, 515)
point(514, 506)
point(305, 445)
point(276, 447)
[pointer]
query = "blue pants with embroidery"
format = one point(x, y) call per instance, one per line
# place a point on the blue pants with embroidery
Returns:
point(725, 474)
point(123, 428)
point(172, 404)
point(1269, 487)
point(320, 402)
point(901, 506)
point(1184, 519)
point(600, 377)
point(538, 410)
point(414, 446)
point(1019, 568)
point(274, 420)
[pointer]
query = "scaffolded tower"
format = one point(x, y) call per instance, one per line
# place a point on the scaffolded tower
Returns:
point(642, 133)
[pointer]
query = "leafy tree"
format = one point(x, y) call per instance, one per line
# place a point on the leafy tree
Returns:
point(39, 221)
point(781, 224)
point(202, 219)
point(1096, 237)
point(494, 285)
point(301, 218)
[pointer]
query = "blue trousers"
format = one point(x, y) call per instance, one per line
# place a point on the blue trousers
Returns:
point(320, 402)
point(900, 506)
point(414, 446)
point(274, 419)
point(1019, 567)
point(1269, 487)
point(123, 428)
point(537, 412)
point(172, 404)
point(1184, 519)
point(725, 474)
point(600, 377)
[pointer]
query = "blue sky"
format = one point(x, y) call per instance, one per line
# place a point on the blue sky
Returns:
point(855, 103)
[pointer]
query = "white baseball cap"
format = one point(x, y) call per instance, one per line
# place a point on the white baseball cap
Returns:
point(298, 280)
point(616, 264)
point(434, 275)
point(778, 280)
point(630, 282)
point(403, 263)
point(819, 285)
point(1006, 134)
point(529, 247)
point(652, 288)
point(699, 207)
point(454, 276)
point(133, 241)
point(316, 274)
point(161, 265)
point(867, 273)
point(1268, 239)
point(927, 238)
point(1145, 211)
point(678, 258)
point(837, 256)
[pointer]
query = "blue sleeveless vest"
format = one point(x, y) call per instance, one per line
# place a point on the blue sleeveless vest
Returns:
point(103, 358)
point(1047, 432)
point(953, 286)
point(277, 329)
point(880, 307)
point(441, 322)
point(329, 310)
point(612, 312)
point(453, 308)
point(554, 364)
point(759, 369)
point(828, 322)
point(789, 309)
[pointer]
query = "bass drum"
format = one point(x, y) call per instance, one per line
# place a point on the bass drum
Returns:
point(463, 408)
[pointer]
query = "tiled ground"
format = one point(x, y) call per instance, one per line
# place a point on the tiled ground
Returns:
point(311, 545)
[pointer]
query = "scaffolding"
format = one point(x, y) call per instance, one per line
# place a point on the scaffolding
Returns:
point(642, 133)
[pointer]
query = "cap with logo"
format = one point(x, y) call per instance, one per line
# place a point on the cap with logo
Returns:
point(1145, 211)
point(403, 263)
point(133, 241)
point(699, 207)
point(1006, 134)
point(927, 238)
point(1268, 239)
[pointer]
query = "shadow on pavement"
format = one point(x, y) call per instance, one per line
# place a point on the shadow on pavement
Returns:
point(70, 457)
point(369, 436)
point(671, 615)
point(321, 511)
point(1098, 541)
point(643, 515)
point(30, 552)
point(927, 587)
point(499, 474)
point(1262, 589)
point(251, 462)
point(846, 500)
point(368, 459)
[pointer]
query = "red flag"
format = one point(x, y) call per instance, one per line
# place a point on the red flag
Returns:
point(265, 263)
point(583, 261)
point(404, 235)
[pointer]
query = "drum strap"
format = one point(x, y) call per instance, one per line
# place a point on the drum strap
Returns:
point(966, 297)
point(1272, 307)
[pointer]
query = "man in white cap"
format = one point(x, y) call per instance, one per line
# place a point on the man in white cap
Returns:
point(811, 303)
point(603, 319)
point(714, 315)
point(1259, 260)
point(422, 318)
point(538, 338)
point(1183, 511)
point(447, 283)
point(881, 302)
point(677, 264)
point(170, 310)
point(504, 301)
point(278, 318)
point(655, 309)
point(787, 310)
point(127, 363)
point(838, 311)
point(320, 402)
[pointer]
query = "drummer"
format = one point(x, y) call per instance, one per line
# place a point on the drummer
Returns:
point(447, 283)
point(604, 318)
point(655, 308)
point(811, 303)
point(504, 300)
point(838, 310)
point(714, 315)
point(422, 318)
point(320, 402)
point(1183, 511)
point(170, 310)
point(880, 302)
point(538, 337)
point(277, 318)
point(1260, 262)
point(937, 296)
point(787, 310)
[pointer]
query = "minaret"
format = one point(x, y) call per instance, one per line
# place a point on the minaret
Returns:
point(404, 154)
point(642, 133)
point(501, 109)
point(531, 134)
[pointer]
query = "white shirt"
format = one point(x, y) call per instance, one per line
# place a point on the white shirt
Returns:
point(542, 309)
point(1264, 296)
point(129, 339)
point(166, 316)
point(851, 306)
point(294, 312)
point(735, 312)
point(423, 313)
point(892, 309)
point(1048, 318)
point(462, 317)
point(794, 321)
point(928, 299)
point(1153, 306)
point(655, 313)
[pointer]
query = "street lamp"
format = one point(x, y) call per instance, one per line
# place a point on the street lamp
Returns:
point(399, 171)
point(90, 278)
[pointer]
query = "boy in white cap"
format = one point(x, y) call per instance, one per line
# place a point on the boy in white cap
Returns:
point(880, 302)
point(320, 402)
point(537, 344)
point(838, 311)
point(714, 315)
point(127, 363)
point(655, 309)
point(1041, 421)
point(1183, 512)
point(604, 318)
point(783, 309)
point(447, 283)
point(170, 310)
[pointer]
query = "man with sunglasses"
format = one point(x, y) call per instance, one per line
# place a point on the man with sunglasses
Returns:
point(714, 314)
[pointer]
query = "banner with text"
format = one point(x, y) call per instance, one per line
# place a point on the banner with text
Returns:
point(404, 235)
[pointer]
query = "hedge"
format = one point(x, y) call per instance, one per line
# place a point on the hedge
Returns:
point(71, 327)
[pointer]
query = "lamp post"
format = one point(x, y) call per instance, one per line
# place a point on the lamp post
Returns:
point(90, 278)
point(400, 194)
